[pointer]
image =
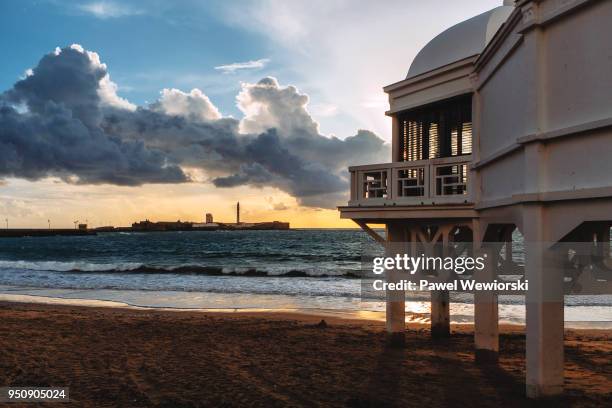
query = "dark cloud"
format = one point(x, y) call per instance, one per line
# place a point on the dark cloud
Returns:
point(273, 164)
point(66, 119)
point(68, 78)
point(53, 142)
point(50, 125)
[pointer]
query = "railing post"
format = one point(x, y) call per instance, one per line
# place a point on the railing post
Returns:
point(468, 178)
point(390, 181)
point(432, 180)
point(353, 175)
point(426, 182)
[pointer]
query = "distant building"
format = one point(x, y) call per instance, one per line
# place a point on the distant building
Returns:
point(105, 228)
point(161, 226)
point(83, 226)
point(210, 226)
point(209, 218)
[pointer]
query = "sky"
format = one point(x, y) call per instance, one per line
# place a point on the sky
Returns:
point(117, 111)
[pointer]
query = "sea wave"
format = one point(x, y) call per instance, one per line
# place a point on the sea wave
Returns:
point(139, 268)
point(60, 266)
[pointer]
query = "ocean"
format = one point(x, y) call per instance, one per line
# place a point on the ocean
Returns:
point(230, 270)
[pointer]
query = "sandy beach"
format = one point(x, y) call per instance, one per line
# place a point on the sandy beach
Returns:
point(124, 357)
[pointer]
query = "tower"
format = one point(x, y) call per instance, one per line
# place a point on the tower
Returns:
point(238, 212)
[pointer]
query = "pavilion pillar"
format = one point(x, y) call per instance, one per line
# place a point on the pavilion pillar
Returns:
point(440, 299)
point(395, 300)
point(440, 313)
point(603, 241)
point(486, 314)
point(544, 306)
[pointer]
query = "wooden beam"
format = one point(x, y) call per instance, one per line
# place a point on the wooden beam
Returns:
point(376, 236)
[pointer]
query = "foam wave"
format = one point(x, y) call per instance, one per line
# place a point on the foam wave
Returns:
point(138, 268)
point(57, 266)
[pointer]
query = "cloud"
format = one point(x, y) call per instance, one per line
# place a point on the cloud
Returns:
point(266, 105)
point(76, 127)
point(277, 143)
point(59, 133)
point(194, 105)
point(108, 9)
point(276, 206)
point(240, 66)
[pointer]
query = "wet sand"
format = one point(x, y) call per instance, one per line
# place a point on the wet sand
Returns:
point(124, 357)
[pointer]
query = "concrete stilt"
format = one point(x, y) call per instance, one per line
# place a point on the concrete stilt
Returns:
point(440, 314)
point(603, 240)
point(486, 317)
point(395, 300)
point(440, 300)
point(544, 304)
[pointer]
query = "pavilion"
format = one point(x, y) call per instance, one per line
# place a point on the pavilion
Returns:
point(502, 126)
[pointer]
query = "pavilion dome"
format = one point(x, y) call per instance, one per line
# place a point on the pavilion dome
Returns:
point(460, 41)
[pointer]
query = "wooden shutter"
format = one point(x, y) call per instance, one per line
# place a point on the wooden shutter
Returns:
point(442, 129)
point(466, 138)
point(434, 142)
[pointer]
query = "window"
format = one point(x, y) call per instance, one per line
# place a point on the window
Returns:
point(442, 129)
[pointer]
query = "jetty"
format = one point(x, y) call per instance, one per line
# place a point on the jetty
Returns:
point(43, 232)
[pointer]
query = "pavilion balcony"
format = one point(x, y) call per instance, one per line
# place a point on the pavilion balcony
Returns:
point(412, 183)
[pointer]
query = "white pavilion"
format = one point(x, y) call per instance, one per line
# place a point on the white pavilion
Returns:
point(503, 125)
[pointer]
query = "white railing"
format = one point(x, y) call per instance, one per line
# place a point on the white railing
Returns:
point(422, 182)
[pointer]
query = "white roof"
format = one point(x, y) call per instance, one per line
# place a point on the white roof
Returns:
point(461, 41)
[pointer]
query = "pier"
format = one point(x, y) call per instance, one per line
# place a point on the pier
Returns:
point(43, 232)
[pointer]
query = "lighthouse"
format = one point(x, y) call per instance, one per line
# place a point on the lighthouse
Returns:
point(238, 212)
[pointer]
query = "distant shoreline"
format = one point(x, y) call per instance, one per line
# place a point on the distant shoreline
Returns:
point(52, 232)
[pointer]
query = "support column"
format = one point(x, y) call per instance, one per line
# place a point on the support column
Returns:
point(544, 305)
point(486, 314)
point(396, 300)
point(440, 300)
point(603, 241)
point(440, 314)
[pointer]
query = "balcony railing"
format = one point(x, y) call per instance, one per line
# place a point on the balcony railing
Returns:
point(422, 182)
